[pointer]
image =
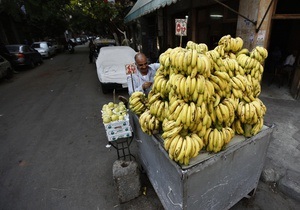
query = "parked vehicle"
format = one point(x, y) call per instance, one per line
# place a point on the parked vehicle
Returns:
point(102, 42)
point(44, 48)
point(6, 71)
point(24, 55)
point(57, 46)
point(111, 66)
point(78, 41)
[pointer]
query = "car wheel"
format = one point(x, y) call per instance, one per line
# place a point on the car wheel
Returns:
point(31, 65)
point(10, 73)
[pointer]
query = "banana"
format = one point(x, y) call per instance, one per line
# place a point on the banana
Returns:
point(154, 98)
point(231, 109)
point(200, 84)
point(193, 85)
point(210, 145)
point(160, 109)
point(189, 147)
point(183, 113)
point(167, 143)
point(206, 136)
point(194, 58)
point(202, 132)
point(182, 86)
point(172, 132)
point(199, 140)
point(196, 145)
point(174, 105)
point(225, 112)
point(200, 99)
point(200, 65)
point(188, 57)
point(188, 116)
point(193, 111)
point(238, 127)
point(217, 100)
point(258, 109)
point(168, 125)
point(178, 146)
point(181, 154)
point(188, 86)
point(216, 141)
point(134, 100)
point(223, 75)
point(177, 111)
point(253, 113)
point(239, 83)
point(219, 114)
point(173, 146)
point(195, 95)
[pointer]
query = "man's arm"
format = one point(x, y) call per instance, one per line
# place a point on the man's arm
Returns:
point(133, 85)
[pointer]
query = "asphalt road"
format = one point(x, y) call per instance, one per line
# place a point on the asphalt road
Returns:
point(53, 152)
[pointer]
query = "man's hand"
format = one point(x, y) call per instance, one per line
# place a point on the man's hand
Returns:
point(146, 85)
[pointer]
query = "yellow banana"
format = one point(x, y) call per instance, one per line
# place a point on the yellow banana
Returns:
point(168, 125)
point(206, 136)
point(219, 114)
point(182, 152)
point(183, 114)
point(178, 146)
point(199, 140)
point(188, 148)
point(172, 147)
point(194, 58)
point(172, 132)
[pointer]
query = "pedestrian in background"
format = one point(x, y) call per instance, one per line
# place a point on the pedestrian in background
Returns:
point(92, 50)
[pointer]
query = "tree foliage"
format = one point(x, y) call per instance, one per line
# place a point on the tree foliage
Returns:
point(50, 18)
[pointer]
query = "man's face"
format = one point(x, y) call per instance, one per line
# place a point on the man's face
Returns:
point(142, 64)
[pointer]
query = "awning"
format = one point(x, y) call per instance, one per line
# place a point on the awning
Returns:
point(143, 7)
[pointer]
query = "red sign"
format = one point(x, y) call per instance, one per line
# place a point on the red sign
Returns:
point(130, 69)
point(180, 25)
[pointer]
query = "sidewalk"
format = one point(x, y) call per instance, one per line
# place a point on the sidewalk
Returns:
point(283, 157)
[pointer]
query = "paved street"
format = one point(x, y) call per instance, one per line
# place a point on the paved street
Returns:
point(53, 153)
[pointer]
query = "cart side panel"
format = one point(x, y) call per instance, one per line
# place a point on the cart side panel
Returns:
point(222, 181)
point(164, 175)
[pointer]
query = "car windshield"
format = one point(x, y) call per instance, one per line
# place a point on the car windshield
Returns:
point(36, 45)
point(44, 45)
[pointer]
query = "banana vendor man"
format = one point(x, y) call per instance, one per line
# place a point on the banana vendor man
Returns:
point(142, 80)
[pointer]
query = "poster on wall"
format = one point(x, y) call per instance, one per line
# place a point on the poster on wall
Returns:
point(181, 27)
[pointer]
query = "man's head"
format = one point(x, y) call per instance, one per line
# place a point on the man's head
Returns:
point(141, 63)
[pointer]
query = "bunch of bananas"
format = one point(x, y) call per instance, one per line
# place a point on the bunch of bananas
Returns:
point(231, 44)
point(242, 88)
point(161, 85)
point(222, 112)
point(201, 98)
point(215, 139)
point(149, 123)
point(159, 109)
point(182, 148)
point(137, 102)
point(200, 48)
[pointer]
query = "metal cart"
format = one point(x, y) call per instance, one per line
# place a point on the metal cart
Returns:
point(211, 181)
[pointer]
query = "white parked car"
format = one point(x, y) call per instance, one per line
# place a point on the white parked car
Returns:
point(44, 48)
point(6, 71)
point(110, 65)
